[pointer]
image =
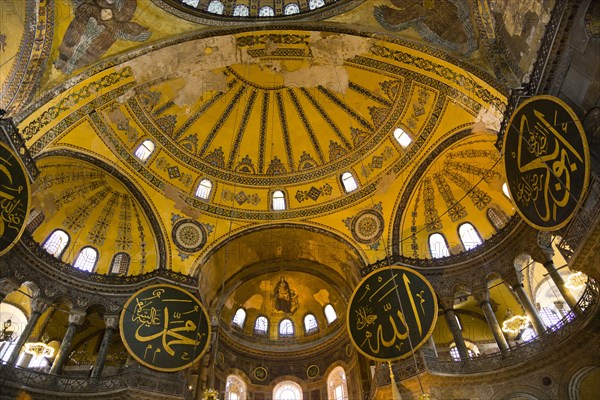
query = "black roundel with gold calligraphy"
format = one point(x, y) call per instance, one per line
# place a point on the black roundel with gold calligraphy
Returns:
point(392, 313)
point(14, 198)
point(546, 158)
point(164, 327)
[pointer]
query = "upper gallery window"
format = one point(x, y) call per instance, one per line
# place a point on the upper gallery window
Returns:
point(239, 317)
point(144, 150)
point(266, 11)
point(287, 390)
point(286, 327)
point(337, 387)
point(241, 10)
point(313, 4)
point(402, 137)
point(310, 323)
point(278, 200)
point(261, 326)
point(330, 313)
point(291, 8)
point(204, 188)
point(349, 182)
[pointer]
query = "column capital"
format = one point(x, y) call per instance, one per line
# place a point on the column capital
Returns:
point(447, 303)
point(38, 304)
point(482, 296)
point(111, 322)
point(77, 317)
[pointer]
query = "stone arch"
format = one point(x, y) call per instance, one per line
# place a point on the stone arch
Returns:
point(574, 386)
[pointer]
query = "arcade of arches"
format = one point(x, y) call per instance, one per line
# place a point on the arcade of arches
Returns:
point(265, 155)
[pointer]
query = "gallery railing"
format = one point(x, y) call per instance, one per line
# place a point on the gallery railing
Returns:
point(554, 335)
point(137, 378)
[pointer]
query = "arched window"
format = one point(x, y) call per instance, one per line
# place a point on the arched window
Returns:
point(437, 246)
point(241, 10)
point(286, 328)
point(349, 182)
point(291, 8)
point(498, 218)
point(235, 388)
point(56, 243)
point(204, 188)
point(239, 317)
point(402, 137)
point(266, 11)
point(469, 236)
point(312, 4)
point(527, 335)
point(12, 322)
point(193, 3)
point(215, 7)
point(330, 313)
point(505, 190)
point(287, 390)
point(35, 219)
point(278, 200)
point(261, 325)
point(471, 349)
point(144, 150)
point(310, 323)
point(337, 388)
point(549, 317)
point(120, 264)
point(86, 260)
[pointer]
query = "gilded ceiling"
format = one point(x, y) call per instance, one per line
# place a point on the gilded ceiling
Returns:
point(289, 107)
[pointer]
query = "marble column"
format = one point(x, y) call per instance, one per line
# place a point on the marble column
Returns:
point(483, 298)
point(76, 318)
point(547, 254)
point(459, 341)
point(530, 310)
point(38, 305)
point(112, 325)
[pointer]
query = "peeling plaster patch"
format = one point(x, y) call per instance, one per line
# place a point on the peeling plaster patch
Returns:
point(489, 118)
point(514, 13)
point(332, 77)
point(255, 302)
point(118, 118)
point(334, 49)
point(265, 286)
point(322, 296)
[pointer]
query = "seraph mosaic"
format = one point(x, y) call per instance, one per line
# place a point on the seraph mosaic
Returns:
point(97, 25)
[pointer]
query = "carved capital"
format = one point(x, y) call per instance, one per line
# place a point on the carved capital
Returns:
point(111, 321)
point(482, 296)
point(77, 317)
point(447, 303)
point(38, 304)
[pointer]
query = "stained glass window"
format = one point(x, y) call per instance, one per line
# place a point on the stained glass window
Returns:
point(56, 243)
point(286, 327)
point(86, 260)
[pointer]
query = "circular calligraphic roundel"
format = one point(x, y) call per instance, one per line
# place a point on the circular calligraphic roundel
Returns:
point(16, 198)
point(392, 313)
point(189, 235)
point(547, 163)
point(164, 327)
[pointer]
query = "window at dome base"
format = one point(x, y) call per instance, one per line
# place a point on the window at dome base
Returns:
point(86, 260)
point(120, 264)
point(349, 182)
point(204, 188)
point(241, 10)
point(215, 7)
point(56, 243)
point(278, 200)
point(469, 236)
point(291, 9)
point(438, 246)
point(266, 11)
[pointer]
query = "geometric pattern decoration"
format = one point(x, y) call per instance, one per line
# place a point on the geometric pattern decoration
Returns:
point(189, 235)
point(367, 226)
